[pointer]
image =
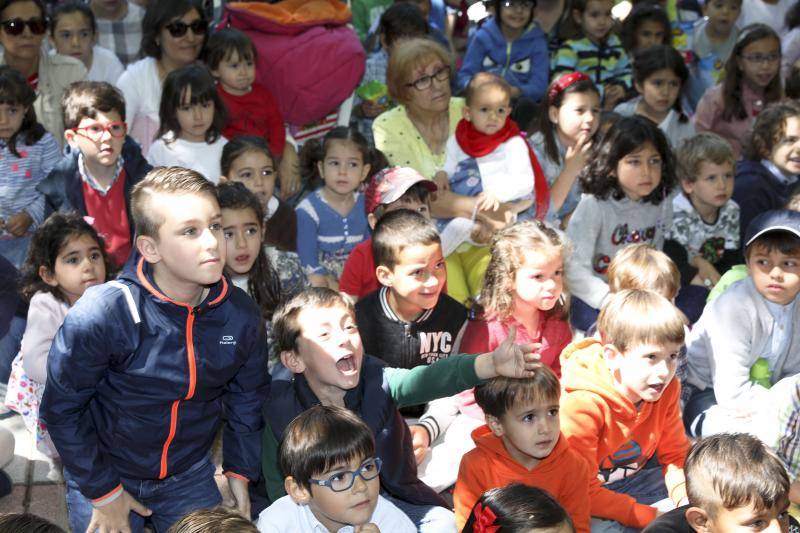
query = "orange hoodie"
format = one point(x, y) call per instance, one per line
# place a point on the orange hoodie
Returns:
point(564, 474)
point(617, 438)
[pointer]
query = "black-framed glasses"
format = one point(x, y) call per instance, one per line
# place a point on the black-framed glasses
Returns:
point(519, 4)
point(95, 131)
point(342, 481)
point(761, 59)
point(179, 28)
point(420, 84)
point(16, 26)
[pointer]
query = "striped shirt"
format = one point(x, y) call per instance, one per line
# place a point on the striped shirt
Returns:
point(322, 231)
point(605, 64)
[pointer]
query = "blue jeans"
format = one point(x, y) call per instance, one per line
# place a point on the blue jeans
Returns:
point(15, 249)
point(427, 518)
point(170, 499)
point(9, 346)
point(582, 316)
point(645, 486)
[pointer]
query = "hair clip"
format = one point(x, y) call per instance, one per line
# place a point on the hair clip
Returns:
point(563, 83)
point(484, 520)
point(749, 29)
point(89, 220)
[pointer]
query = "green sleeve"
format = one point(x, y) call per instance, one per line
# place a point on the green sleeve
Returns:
point(269, 465)
point(736, 273)
point(425, 383)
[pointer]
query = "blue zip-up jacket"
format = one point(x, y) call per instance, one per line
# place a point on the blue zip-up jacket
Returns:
point(523, 63)
point(136, 383)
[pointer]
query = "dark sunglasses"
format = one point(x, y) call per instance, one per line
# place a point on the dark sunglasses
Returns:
point(16, 26)
point(179, 28)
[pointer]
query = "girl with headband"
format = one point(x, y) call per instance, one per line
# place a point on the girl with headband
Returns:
point(563, 135)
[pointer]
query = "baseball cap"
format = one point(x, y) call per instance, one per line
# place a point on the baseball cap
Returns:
point(776, 220)
point(390, 184)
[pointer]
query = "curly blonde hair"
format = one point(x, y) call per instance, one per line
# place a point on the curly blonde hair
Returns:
point(507, 256)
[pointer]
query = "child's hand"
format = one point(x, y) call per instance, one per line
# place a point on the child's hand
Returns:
point(114, 516)
point(367, 528)
point(18, 224)
point(487, 201)
point(240, 493)
point(509, 359)
point(420, 440)
point(576, 157)
point(481, 232)
point(289, 173)
point(707, 275)
point(442, 181)
point(613, 95)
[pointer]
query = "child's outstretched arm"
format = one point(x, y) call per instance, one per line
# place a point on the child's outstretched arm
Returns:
point(243, 400)
point(448, 376)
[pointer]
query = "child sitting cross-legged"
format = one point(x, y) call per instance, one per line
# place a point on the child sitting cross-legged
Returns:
point(522, 442)
point(734, 483)
point(323, 361)
point(620, 408)
point(328, 457)
point(748, 327)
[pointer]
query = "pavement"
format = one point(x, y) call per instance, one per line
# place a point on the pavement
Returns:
point(38, 484)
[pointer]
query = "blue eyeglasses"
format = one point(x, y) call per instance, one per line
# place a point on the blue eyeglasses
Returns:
point(342, 481)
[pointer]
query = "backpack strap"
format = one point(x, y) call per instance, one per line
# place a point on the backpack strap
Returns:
point(129, 299)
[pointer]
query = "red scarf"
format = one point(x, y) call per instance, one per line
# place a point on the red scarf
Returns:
point(477, 144)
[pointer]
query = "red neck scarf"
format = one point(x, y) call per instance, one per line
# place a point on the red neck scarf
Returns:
point(477, 144)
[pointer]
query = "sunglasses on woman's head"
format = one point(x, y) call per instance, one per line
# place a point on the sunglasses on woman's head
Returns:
point(179, 28)
point(16, 26)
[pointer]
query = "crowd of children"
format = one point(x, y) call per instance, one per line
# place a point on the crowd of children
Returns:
point(568, 300)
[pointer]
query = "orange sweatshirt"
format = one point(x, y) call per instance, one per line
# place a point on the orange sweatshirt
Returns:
point(564, 474)
point(617, 438)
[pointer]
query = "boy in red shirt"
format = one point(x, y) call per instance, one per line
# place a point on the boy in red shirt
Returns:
point(620, 408)
point(522, 442)
point(389, 190)
point(252, 110)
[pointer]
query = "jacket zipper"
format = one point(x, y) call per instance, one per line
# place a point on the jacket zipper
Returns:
point(173, 420)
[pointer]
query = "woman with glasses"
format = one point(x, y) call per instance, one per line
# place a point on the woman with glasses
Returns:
point(511, 45)
point(22, 29)
point(752, 81)
point(173, 35)
point(414, 134)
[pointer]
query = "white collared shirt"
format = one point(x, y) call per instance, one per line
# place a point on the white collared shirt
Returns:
point(286, 516)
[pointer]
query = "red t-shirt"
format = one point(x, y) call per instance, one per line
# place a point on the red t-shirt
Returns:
point(255, 113)
point(358, 277)
point(110, 218)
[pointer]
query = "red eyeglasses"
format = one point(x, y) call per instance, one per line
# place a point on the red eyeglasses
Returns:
point(95, 131)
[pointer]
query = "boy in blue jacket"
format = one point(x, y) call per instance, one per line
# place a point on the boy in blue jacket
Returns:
point(323, 362)
point(140, 371)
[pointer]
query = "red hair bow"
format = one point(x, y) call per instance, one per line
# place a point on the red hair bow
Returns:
point(563, 83)
point(484, 520)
